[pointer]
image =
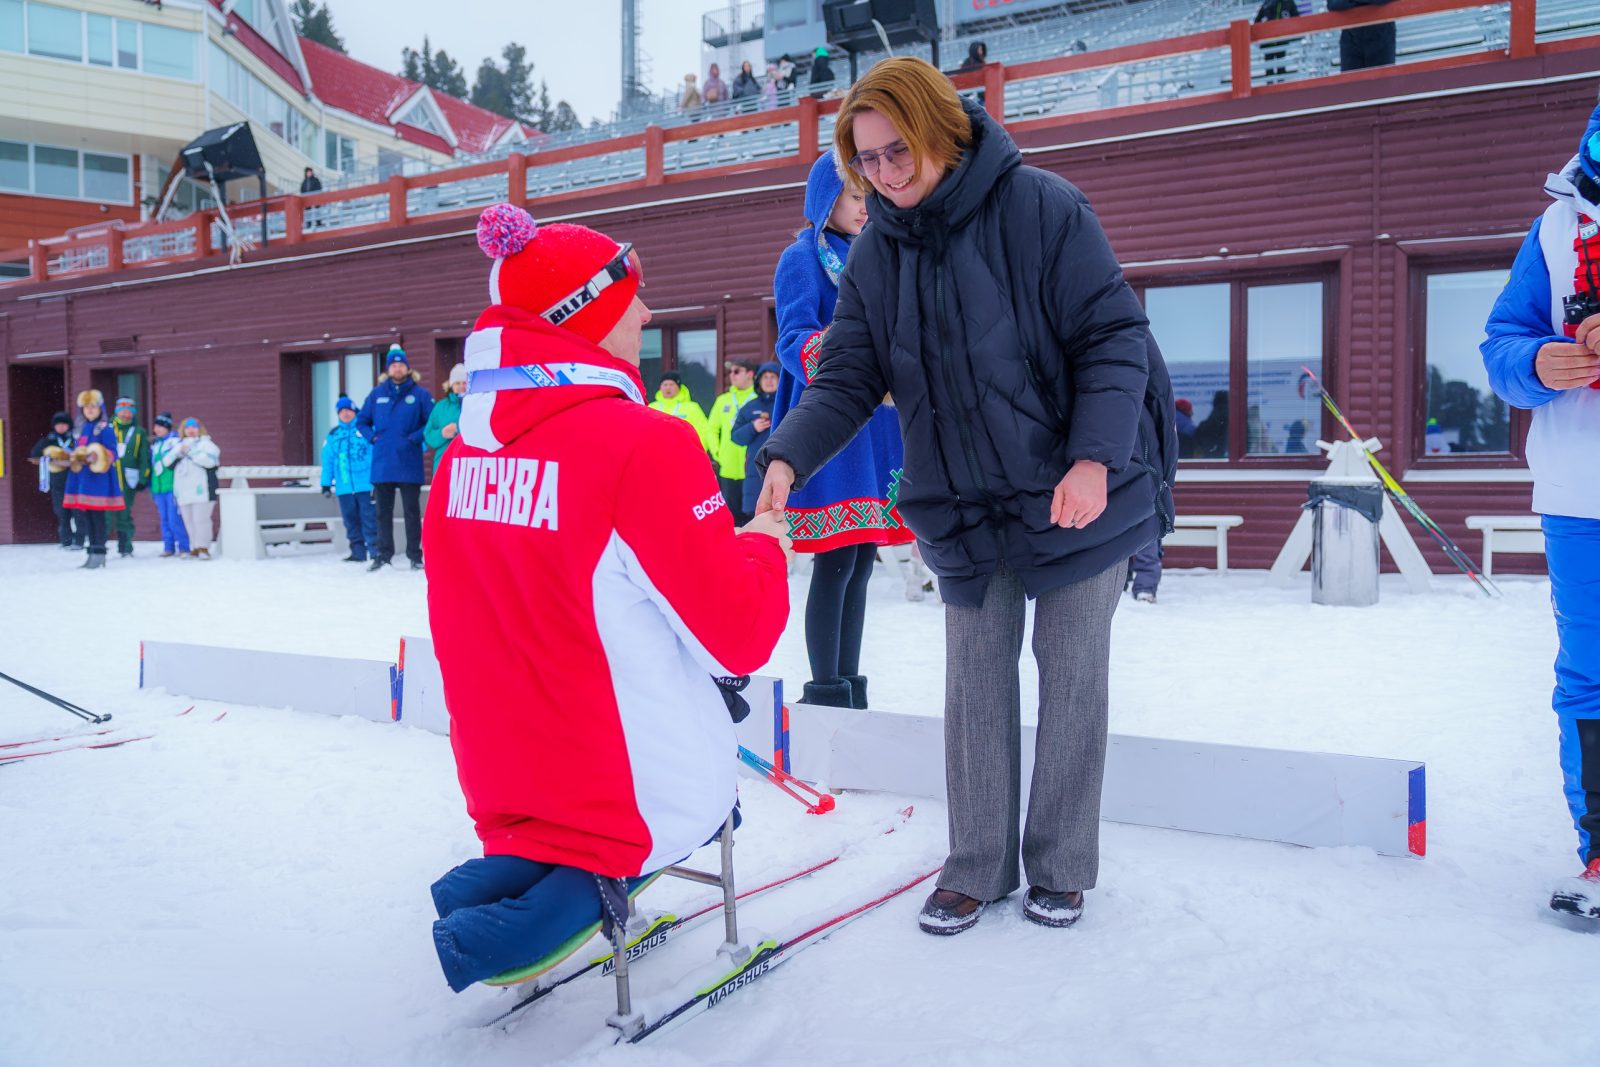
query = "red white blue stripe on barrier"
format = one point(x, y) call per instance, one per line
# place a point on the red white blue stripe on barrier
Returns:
point(1417, 812)
point(780, 727)
point(397, 682)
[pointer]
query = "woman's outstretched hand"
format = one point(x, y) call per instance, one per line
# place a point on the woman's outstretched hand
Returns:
point(775, 489)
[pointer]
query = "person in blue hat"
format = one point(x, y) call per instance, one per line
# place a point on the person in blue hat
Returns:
point(1542, 352)
point(347, 473)
point(844, 513)
point(395, 419)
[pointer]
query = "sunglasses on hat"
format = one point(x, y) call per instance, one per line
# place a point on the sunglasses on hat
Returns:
point(613, 272)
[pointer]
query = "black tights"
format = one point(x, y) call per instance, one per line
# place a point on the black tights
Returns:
point(836, 610)
point(96, 521)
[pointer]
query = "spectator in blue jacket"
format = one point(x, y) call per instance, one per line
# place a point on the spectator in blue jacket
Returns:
point(751, 428)
point(1542, 352)
point(395, 419)
point(347, 472)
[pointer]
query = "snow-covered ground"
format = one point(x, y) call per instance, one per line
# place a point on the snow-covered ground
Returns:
point(254, 890)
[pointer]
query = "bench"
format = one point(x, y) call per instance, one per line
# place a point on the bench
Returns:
point(1204, 531)
point(277, 513)
point(282, 512)
point(1515, 534)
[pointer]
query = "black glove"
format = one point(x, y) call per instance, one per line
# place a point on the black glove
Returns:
point(730, 687)
point(327, 490)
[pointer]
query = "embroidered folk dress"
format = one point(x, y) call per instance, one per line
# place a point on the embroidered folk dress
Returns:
point(851, 500)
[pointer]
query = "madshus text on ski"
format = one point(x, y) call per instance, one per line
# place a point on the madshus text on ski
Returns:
point(985, 299)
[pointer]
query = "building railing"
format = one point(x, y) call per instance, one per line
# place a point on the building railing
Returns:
point(1222, 64)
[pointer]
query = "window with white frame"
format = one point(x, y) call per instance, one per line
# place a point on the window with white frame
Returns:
point(339, 152)
point(169, 52)
point(13, 28)
point(53, 32)
point(420, 116)
point(236, 84)
point(112, 42)
point(66, 173)
point(263, 18)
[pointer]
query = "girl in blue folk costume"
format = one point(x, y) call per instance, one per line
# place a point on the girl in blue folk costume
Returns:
point(846, 511)
point(93, 486)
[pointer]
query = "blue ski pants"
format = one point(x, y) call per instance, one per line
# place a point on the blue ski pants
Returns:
point(360, 516)
point(500, 912)
point(1572, 547)
point(174, 535)
point(1144, 569)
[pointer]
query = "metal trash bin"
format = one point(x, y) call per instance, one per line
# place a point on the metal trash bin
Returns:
point(1344, 546)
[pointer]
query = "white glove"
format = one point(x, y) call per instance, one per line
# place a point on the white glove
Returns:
point(133, 479)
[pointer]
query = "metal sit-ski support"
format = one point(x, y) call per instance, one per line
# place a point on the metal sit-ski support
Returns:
point(626, 1019)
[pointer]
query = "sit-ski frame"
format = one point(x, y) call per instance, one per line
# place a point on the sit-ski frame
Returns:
point(626, 1019)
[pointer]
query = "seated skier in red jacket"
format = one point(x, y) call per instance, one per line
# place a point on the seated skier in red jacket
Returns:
point(568, 537)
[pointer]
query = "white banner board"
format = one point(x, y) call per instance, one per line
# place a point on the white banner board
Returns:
point(1267, 794)
point(325, 684)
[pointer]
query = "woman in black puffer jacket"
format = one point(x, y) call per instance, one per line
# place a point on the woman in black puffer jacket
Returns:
point(1040, 446)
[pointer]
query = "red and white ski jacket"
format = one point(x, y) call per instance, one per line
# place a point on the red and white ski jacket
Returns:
point(584, 582)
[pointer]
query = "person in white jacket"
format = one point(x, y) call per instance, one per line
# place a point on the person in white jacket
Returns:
point(191, 487)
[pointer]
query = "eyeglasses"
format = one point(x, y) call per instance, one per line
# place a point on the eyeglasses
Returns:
point(615, 271)
point(866, 163)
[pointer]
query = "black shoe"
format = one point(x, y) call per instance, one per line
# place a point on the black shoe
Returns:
point(858, 691)
point(72, 548)
point(377, 564)
point(834, 694)
point(1580, 896)
point(353, 558)
point(1052, 909)
point(95, 561)
point(948, 912)
point(416, 564)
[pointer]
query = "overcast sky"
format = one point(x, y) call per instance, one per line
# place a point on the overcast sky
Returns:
point(575, 45)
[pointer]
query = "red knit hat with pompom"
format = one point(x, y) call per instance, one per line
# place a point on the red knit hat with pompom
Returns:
point(538, 267)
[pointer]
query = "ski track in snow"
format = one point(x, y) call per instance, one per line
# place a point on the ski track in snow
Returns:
point(255, 890)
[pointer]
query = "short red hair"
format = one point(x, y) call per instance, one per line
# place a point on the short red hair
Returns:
point(919, 102)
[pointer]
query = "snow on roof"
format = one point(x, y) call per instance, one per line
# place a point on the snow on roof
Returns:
point(383, 98)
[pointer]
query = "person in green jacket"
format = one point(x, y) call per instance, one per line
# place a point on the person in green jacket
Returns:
point(444, 421)
point(133, 469)
point(163, 458)
point(725, 453)
point(673, 398)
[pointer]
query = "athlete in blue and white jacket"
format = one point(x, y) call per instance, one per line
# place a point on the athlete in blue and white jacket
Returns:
point(1541, 357)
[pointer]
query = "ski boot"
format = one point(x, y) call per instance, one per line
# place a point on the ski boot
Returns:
point(1580, 896)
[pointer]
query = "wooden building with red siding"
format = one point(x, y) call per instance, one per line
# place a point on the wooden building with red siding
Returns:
point(1355, 222)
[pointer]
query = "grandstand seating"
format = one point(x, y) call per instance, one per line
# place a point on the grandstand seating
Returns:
point(1091, 28)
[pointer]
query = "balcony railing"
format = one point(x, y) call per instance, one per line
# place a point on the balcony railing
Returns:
point(1238, 61)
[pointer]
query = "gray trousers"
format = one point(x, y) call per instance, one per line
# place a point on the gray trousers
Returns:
point(1060, 847)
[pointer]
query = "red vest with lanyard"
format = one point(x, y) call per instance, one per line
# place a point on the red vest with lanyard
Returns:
point(1585, 300)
